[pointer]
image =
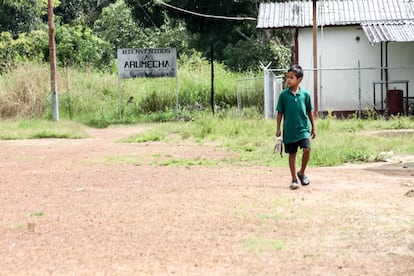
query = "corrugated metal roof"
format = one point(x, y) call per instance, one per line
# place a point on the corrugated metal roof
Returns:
point(399, 32)
point(334, 12)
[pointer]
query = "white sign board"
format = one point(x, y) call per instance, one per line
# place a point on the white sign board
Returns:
point(147, 63)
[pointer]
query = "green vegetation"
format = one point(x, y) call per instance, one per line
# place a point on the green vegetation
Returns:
point(36, 214)
point(89, 32)
point(186, 162)
point(90, 98)
point(355, 140)
point(261, 245)
point(36, 128)
point(94, 98)
point(250, 139)
point(134, 160)
point(337, 142)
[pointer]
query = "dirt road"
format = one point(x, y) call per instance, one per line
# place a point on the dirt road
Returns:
point(97, 206)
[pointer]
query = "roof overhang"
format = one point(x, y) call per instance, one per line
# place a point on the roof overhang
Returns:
point(389, 32)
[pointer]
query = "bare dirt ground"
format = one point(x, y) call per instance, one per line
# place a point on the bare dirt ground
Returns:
point(79, 207)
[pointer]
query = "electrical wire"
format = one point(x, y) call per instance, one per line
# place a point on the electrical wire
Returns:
point(146, 14)
point(205, 15)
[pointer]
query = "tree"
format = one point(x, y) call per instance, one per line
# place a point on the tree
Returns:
point(125, 32)
point(20, 16)
point(81, 11)
point(146, 12)
point(78, 46)
point(234, 42)
point(147, 23)
point(207, 31)
point(244, 56)
point(121, 31)
point(174, 35)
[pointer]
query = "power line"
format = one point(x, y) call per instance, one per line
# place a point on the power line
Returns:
point(147, 15)
point(205, 15)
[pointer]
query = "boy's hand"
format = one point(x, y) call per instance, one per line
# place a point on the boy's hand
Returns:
point(313, 134)
point(278, 133)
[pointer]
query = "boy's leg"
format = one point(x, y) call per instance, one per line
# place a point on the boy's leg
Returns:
point(292, 149)
point(292, 165)
point(305, 145)
point(305, 160)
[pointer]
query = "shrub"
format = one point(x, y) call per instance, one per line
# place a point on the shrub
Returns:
point(78, 46)
point(246, 55)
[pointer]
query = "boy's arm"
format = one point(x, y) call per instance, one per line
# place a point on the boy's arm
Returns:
point(278, 122)
point(312, 121)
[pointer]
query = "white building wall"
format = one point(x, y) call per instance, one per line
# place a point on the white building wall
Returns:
point(402, 55)
point(339, 50)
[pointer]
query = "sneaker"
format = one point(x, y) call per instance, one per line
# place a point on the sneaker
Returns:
point(303, 179)
point(294, 185)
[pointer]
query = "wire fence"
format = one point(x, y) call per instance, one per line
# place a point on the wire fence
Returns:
point(341, 91)
point(249, 92)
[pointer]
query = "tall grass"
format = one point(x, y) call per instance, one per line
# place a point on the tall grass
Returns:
point(99, 99)
point(23, 92)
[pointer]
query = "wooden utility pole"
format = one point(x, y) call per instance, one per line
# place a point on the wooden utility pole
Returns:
point(315, 57)
point(52, 52)
point(212, 75)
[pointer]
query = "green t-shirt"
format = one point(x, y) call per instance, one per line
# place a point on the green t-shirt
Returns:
point(295, 108)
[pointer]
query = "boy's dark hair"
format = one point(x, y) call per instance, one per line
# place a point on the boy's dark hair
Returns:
point(297, 70)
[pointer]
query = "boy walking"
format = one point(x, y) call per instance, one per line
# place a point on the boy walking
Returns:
point(294, 107)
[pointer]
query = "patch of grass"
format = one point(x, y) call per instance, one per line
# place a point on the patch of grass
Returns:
point(186, 162)
point(337, 142)
point(36, 128)
point(269, 208)
point(270, 216)
point(36, 214)
point(342, 141)
point(49, 134)
point(258, 244)
point(151, 136)
point(251, 139)
point(161, 160)
point(128, 159)
point(18, 226)
point(97, 122)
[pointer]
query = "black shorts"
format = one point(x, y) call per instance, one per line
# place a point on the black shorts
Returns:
point(293, 147)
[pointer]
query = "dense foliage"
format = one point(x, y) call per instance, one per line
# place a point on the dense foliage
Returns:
point(88, 34)
point(101, 26)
